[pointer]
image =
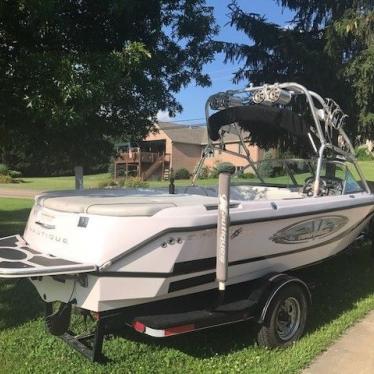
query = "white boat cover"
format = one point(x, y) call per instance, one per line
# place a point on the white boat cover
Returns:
point(121, 205)
point(17, 260)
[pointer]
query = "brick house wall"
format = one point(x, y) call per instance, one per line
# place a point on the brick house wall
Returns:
point(187, 154)
point(254, 151)
point(161, 135)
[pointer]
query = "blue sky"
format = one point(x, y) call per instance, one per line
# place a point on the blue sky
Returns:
point(192, 97)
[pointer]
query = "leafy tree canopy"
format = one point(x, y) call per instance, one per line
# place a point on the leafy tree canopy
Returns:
point(328, 47)
point(77, 73)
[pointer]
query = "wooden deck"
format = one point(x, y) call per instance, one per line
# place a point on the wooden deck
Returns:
point(142, 164)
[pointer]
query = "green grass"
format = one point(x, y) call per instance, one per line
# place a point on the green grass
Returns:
point(368, 169)
point(13, 214)
point(343, 293)
point(93, 181)
point(56, 183)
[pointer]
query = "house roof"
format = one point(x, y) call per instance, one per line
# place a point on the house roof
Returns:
point(190, 134)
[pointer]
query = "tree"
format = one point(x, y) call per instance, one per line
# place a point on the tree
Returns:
point(354, 31)
point(76, 74)
point(312, 51)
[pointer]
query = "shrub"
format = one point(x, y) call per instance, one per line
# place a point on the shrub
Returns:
point(6, 179)
point(265, 167)
point(278, 171)
point(182, 174)
point(107, 183)
point(213, 173)
point(111, 167)
point(247, 176)
point(15, 174)
point(4, 169)
point(135, 182)
point(204, 173)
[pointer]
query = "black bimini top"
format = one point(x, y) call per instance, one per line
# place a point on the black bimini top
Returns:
point(268, 126)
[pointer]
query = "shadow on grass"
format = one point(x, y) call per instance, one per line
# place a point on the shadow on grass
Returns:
point(338, 284)
point(19, 303)
point(13, 221)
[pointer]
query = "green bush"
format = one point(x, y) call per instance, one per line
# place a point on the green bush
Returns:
point(363, 154)
point(15, 174)
point(182, 174)
point(135, 182)
point(213, 173)
point(130, 182)
point(4, 169)
point(107, 183)
point(6, 179)
point(247, 176)
point(265, 167)
point(278, 171)
point(204, 173)
point(111, 167)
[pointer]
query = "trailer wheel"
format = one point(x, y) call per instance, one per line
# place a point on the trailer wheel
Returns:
point(285, 318)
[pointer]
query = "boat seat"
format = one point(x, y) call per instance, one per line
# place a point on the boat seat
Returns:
point(121, 205)
point(264, 193)
point(247, 193)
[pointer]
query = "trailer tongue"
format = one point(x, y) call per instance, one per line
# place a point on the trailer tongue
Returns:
point(18, 260)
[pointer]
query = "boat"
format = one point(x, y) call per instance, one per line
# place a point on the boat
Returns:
point(118, 249)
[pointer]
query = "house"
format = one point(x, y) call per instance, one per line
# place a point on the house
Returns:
point(175, 146)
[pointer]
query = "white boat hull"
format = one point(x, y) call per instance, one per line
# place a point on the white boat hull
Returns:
point(172, 253)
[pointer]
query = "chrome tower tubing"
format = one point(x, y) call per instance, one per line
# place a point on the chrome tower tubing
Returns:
point(317, 123)
point(249, 159)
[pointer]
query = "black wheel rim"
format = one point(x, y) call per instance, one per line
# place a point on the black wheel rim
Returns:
point(288, 318)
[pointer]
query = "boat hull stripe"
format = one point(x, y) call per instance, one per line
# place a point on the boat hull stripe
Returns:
point(233, 223)
point(209, 263)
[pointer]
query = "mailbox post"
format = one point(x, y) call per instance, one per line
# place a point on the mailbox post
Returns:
point(78, 172)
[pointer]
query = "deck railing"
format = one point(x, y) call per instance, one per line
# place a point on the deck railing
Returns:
point(135, 155)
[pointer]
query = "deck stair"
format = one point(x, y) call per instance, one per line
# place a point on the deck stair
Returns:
point(166, 174)
point(143, 164)
point(154, 167)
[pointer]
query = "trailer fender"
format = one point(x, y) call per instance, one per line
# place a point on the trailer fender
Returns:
point(276, 283)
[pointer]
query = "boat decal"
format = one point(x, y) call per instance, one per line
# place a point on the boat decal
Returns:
point(209, 263)
point(233, 223)
point(47, 235)
point(310, 229)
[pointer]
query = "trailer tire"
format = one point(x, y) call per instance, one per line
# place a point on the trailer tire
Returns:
point(285, 318)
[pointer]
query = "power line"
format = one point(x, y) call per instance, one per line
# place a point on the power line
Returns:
point(184, 120)
point(182, 127)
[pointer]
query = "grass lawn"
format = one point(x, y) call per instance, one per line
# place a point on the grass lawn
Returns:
point(343, 293)
point(368, 169)
point(13, 214)
point(93, 181)
point(56, 183)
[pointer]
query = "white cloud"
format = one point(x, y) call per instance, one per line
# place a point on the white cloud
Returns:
point(163, 116)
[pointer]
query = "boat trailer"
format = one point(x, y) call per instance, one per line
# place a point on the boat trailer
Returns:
point(276, 301)
point(253, 300)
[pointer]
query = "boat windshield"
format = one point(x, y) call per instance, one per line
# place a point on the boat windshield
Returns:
point(296, 173)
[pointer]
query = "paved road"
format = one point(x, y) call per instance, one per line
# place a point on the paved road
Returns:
point(352, 353)
point(18, 193)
